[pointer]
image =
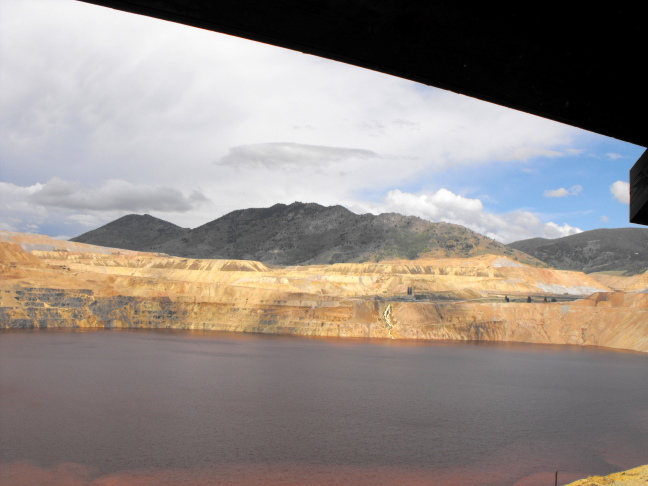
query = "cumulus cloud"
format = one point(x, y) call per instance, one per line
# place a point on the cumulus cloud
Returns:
point(114, 194)
point(441, 205)
point(17, 212)
point(562, 192)
point(293, 155)
point(444, 205)
point(621, 191)
point(10, 191)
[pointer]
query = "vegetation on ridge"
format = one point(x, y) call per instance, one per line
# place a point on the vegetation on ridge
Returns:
point(623, 250)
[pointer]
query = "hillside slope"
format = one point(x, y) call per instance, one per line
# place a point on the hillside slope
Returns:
point(305, 234)
point(622, 249)
point(132, 232)
point(45, 283)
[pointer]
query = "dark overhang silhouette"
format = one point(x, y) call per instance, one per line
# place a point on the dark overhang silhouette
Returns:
point(582, 66)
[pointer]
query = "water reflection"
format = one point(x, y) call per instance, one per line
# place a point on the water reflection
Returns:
point(138, 407)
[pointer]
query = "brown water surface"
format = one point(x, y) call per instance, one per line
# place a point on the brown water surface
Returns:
point(158, 407)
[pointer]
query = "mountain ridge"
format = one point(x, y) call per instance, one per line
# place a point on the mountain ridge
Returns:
point(623, 250)
point(131, 232)
point(307, 234)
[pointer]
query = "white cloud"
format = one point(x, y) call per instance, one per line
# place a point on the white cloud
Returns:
point(562, 192)
point(605, 219)
point(123, 93)
point(10, 192)
point(575, 190)
point(136, 110)
point(17, 212)
point(444, 205)
point(621, 191)
point(436, 206)
point(554, 230)
point(293, 155)
point(613, 156)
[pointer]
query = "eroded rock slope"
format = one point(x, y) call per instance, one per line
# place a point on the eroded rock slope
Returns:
point(49, 283)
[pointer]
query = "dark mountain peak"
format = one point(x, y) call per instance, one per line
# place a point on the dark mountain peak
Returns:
point(132, 232)
point(280, 211)
point(314, 208)
point(309, 233)
point(137, 218)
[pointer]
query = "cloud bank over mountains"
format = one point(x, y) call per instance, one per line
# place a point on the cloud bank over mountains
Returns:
point(113, 195)
point(33, 205)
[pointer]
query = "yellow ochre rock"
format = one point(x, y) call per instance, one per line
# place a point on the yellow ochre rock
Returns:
point(50, 283)
point(624, 284)
point(632, 477)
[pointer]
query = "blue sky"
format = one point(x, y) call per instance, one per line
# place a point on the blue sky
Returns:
point(104, 113)
point(602, 162)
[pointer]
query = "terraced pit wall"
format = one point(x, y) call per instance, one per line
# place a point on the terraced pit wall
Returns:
point(67, 288)
point(613, 320)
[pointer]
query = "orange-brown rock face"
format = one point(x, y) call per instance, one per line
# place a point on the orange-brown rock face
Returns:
point(50, 283)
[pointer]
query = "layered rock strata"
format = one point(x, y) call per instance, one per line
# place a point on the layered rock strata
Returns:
point(635, 283)
point(46, 283)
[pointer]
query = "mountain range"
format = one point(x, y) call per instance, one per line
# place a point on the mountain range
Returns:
point(308, 233)
point(620, 250)
point(300, 234)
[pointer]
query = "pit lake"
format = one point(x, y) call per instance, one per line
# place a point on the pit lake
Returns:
point(180, 407)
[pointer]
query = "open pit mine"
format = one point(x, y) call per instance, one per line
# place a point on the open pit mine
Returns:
point(47, 283)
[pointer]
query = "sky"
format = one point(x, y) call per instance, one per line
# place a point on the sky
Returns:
point(105, 113)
